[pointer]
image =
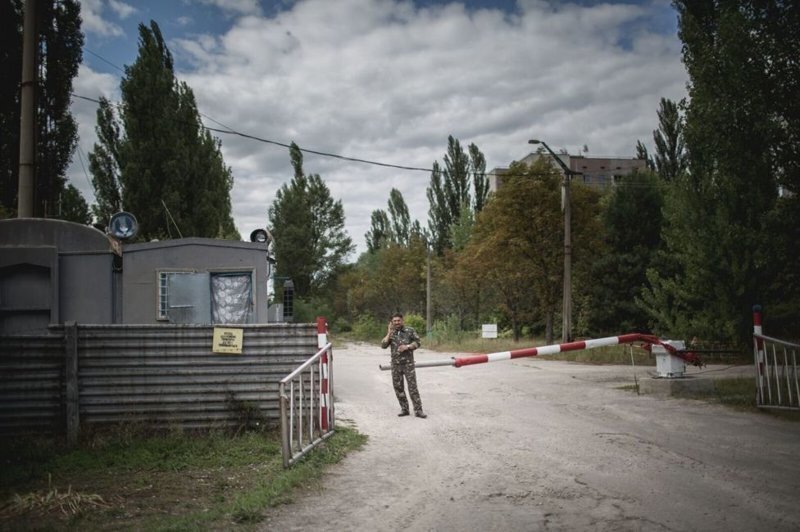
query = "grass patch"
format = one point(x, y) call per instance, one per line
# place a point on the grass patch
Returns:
point(175, 481)
point(737, 393)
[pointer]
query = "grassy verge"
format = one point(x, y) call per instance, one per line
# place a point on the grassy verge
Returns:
point(737, 393)
point(175, 481)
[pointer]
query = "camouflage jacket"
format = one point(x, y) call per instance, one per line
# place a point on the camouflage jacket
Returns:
point(404, 336)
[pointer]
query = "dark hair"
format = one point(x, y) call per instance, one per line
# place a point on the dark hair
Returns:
point(397, 315)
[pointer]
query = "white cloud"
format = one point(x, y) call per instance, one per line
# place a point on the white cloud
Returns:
point(236, 7)
point(92, 85)
point(93, 21)
point(389, 82)
point(122, 9)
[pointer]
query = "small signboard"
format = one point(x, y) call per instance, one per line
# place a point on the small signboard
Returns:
point(489, 330)
point(228, 340)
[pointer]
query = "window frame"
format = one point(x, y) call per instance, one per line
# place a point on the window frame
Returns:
point(162, 299)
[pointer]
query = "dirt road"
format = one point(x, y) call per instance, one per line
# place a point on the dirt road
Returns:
point(536, 444)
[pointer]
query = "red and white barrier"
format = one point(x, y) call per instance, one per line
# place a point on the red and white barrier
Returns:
point(322, 340)
point(759, 352)
point(645, 339)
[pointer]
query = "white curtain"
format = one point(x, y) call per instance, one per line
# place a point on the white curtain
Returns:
point(231, 298)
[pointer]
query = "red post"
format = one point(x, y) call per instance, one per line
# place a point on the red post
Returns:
point(322, 340)
point(759, 350)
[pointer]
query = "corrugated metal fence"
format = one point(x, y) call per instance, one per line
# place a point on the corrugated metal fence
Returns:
point(157, 375)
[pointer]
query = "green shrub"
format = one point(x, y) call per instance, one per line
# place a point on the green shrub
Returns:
point(448, 331)
point(369, 329)
point(416, 322)
point(308, 310)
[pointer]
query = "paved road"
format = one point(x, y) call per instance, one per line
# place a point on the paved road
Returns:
point(536, 444)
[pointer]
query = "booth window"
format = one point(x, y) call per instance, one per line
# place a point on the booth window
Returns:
point(205, 297)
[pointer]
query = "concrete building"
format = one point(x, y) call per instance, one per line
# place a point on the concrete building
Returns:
point(52, 271)
point(597, 171)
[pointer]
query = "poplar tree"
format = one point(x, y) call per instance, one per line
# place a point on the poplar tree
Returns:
point(311, 243)
point(380, 231)
point(670, 156)
point(741, 130)
point(632, 220)
point(399, 218)
point(449, 191)
point(153, 156)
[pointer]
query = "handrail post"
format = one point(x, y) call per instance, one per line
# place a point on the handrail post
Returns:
point(282, 399)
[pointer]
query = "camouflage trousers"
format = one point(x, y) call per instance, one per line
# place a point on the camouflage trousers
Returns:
point(403, 366)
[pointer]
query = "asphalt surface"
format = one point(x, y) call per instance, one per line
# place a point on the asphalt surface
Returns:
point(535, 444)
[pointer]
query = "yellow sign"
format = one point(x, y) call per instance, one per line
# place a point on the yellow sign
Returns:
point(228, 340)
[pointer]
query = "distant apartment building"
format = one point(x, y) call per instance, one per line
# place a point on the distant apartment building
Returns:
point(597, 171)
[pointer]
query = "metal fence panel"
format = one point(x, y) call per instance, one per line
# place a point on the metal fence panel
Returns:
point(777, 384)
point(156, 375)
point(31, 384)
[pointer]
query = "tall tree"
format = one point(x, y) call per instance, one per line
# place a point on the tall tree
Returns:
point(380, 231)
point(632, 221)
point(642, 153)
point(104, 162)
point(311, 243)
point(171, 174)
point(399, 218)
point(480, 180)
point(58, 55)
point(449, 191)
point(438, 214)
point(72, 207)
point(516, 248)
point(739, 140)
point(670, 157)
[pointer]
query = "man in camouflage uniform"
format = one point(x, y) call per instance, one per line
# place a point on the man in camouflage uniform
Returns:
point(403, 340)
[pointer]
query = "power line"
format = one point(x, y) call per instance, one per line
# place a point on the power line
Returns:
point(322, 153)
point(231, 131)
point(103, 59)
point(85, 173)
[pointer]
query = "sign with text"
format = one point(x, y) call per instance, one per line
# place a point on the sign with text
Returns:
point(227, 340)
point(489, 330)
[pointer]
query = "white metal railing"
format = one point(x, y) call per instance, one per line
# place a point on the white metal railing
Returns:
point(306, 401)
point(777, 384)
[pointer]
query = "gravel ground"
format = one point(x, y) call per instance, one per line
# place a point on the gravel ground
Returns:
point(537, 444)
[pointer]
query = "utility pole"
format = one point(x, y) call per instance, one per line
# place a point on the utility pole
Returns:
point(428, 316)
point(566, 206)
point(27, 160)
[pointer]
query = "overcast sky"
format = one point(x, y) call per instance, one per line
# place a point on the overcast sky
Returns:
point(388, 81)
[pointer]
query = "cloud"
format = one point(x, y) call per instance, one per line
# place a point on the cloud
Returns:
point(122, 9)
point(236, 7)
point(391, 81)
point(93, 21)
point(92, 85)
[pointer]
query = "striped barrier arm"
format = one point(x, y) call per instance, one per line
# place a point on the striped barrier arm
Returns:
point(645, 339)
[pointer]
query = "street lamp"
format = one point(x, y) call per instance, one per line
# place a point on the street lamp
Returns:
point(566, 323)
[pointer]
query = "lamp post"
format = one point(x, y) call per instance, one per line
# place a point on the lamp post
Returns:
point(566, 323)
